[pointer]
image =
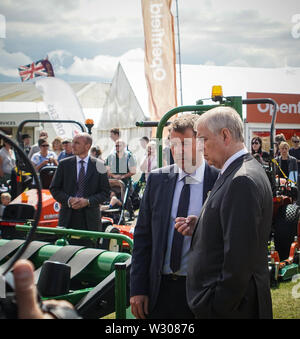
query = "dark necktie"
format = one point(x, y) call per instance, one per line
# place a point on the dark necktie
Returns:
point(182, 211)
point(81, 180)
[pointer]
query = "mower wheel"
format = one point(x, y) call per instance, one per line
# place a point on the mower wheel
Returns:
point(285, 229)
point(111, 244)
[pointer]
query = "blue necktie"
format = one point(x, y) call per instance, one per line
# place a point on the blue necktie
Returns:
point(182, 211)
point(81, 180)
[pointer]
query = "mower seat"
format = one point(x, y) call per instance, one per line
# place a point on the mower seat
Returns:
point(46, 175)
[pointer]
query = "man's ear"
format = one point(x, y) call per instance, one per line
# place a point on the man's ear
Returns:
point(226, 135)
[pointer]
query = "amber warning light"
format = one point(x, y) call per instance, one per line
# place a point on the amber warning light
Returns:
point(217, 93)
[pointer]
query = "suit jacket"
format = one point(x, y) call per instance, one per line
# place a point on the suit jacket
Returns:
point(151, 230)
point(228, 273)
point(64, 185)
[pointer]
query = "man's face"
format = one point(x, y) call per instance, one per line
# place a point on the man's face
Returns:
point(79, 146)
point(68, 147)
point(184, 151)
point(43, 135)
point(120, 146)
point(295, 142)
point(213, 146)
point(26, 141)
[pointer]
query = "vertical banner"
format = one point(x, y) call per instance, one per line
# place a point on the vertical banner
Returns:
point(62, 104)
point(160, 57)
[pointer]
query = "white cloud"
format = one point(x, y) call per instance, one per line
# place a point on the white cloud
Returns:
point(9, 62)
point(102, 66)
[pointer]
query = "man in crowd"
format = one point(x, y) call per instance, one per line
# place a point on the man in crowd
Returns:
point(35, 148)
point(160, 255)
point(26, 143)
point(295, 150)
point(228, 274)
point(121, 165)
point(80, 184)
point(67, 149)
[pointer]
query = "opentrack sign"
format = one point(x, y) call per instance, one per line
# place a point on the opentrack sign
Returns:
point(288, 108)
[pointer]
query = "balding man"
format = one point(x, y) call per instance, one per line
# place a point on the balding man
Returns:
point(80, 184)
point(228, 273)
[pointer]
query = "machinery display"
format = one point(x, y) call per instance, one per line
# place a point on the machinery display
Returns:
point(95, 280)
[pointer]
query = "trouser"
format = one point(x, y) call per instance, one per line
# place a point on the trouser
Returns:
point(171, 301)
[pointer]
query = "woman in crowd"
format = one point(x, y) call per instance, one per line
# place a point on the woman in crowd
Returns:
point(256, 149)
point(287, 163)
point(57, 146)
point(7, 163)
point(44, 156)
point(96, 152)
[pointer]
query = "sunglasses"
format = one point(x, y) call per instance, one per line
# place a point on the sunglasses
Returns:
point(44, 145)
point(255, 143)
point(296, 141)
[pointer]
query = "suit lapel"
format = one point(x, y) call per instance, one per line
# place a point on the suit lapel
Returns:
point(208, 181)
point(218, 184)
point(227, 172)
point(169, 183)
point(90, 169)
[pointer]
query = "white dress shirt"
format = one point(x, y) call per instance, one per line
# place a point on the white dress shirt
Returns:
point(196, 201)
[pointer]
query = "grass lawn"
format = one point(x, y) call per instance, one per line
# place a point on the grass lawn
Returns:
point(285, 306)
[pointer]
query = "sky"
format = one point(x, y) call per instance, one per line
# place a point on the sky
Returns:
point(85, 39)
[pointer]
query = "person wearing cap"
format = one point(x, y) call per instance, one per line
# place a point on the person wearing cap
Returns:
point(67, 149)
point(26, 143)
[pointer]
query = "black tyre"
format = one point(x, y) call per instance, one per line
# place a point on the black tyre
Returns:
point(285, 229)
point(110, 244)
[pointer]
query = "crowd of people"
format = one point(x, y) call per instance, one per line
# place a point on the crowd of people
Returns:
point(287, 158)
point(193, 204)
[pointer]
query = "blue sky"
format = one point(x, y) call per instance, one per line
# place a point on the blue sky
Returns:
point(85, 39)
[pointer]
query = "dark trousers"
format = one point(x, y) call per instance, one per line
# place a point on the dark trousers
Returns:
point(171, 301)
point(78, 222)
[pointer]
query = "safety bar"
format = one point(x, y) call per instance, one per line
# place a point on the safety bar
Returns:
point(79, 233)
point(19, 130)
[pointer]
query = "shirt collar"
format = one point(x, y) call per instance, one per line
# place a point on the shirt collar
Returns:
point(78, 159)
point(198, 175)
point(232, 158)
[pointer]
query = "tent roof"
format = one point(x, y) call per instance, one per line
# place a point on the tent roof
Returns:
point(197, 81)
point(90, 94)
point(25, 97)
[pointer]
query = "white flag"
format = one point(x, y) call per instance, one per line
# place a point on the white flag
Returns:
point(62, 104)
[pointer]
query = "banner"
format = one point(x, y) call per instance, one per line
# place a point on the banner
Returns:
point(288, 108)
point(160, 57)
point(62, 104)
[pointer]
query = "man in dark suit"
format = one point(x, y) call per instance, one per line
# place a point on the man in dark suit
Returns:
point(228, 273)
point(158, 272)
point(80, 184)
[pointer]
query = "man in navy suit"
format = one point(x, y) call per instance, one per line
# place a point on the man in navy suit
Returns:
point(157, 288)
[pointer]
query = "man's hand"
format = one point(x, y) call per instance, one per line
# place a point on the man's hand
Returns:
point(26, 293)
point(186, 226)
point(139, 306)
point(77, 203)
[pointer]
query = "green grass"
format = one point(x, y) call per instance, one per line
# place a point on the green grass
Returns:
point(285, 306)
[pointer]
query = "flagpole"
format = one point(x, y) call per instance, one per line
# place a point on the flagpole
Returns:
point(179, 54)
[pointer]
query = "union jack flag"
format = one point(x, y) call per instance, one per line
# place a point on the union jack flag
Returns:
point(36, 69)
